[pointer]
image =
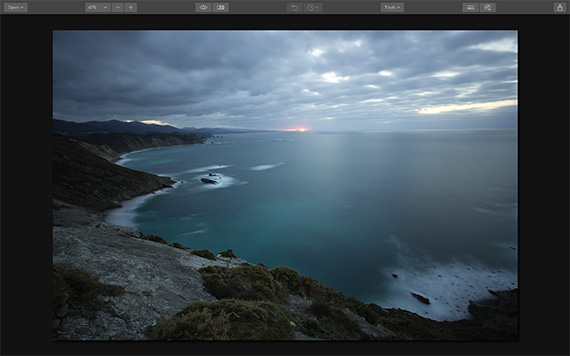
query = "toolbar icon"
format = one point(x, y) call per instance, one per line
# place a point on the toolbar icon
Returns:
point(131, 7)
point(314, 7)
point(488, 7)
point(203, 7)
point(560, 7)
point(470, 7)
point(221, 7)
point(295, 7)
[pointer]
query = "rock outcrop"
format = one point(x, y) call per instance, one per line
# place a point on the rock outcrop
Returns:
point(209, 181)
point(499, 312)
point(158, 280)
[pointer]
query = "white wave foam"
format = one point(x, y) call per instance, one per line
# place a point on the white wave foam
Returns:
point(223, 181)
point(449, 287)
point(207, 168)
point(200, 232)
point(265, 167)
point(125, 215)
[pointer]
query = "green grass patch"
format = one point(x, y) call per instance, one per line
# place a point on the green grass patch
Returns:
point(246, 282)
point(227, 319)
point(80, 291)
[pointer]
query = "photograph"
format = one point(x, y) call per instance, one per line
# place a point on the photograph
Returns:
point(285, 185)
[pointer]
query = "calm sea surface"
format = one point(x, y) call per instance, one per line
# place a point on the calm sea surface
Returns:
point(438, 209)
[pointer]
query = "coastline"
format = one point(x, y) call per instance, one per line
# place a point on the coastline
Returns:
point(164, 278)
point(123, 157)
point(449, 286)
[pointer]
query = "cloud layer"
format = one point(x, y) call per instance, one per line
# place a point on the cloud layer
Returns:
point(327, 80)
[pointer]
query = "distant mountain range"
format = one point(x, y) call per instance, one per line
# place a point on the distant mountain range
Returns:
point(62, 126)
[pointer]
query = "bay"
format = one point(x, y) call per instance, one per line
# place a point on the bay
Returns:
point(374, 215)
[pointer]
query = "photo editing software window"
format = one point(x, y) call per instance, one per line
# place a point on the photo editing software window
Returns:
point(328, 177)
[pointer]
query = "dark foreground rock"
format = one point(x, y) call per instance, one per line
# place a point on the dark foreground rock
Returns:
point(499, 312)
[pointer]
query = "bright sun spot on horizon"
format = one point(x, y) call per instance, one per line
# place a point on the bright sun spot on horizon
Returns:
point(300, 129)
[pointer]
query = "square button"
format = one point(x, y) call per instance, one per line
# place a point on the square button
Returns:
point(131, 7)
point(560, 7)
point(314, 7)
point(488, 7)
point(221, 7)
point(294, 7)
point(118, 7)
point(203, 7)
point(470, 7)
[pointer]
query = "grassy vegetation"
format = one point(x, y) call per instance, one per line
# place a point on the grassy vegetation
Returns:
point(227, 319)
point(80, 291)
point(250, 308)
point(246, 283)
point(228, 253)
point(177, 245)
point(314, 290)
point(204, 253)
point(325, 321)
point(155, 238)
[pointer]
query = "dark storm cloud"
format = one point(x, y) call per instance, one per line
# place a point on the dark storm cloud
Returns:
point(276, 79)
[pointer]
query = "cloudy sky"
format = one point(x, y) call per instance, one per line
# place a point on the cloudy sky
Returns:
point(318, 80)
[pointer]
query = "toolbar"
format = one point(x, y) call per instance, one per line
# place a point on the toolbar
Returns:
point(334, 7)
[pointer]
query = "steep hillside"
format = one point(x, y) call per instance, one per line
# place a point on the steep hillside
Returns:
point(83, 178)
point(110, 126)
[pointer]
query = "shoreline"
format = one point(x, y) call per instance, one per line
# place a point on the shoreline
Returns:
point(123, 157)
point(150, 271)
point(120, 216)
point(96, 243)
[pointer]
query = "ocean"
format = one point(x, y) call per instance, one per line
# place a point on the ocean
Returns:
point(374, 215)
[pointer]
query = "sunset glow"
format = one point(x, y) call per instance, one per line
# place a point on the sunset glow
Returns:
point(300, 129)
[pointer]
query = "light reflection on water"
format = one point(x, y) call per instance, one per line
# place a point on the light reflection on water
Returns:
point(436, 208)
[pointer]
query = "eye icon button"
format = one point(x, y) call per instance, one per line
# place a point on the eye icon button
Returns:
point(203, 7)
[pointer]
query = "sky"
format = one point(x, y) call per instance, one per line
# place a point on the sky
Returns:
point(316, 80)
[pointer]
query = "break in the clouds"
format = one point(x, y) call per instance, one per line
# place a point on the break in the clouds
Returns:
point(320, 80)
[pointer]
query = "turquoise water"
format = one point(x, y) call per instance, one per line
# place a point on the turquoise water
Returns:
point(436, 208)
